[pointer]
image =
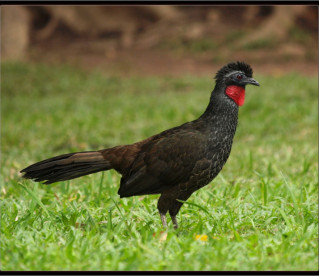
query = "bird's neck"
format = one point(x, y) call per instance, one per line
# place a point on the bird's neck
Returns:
point(221, 111)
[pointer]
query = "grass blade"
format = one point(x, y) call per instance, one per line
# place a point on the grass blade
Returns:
point(194, 204)
point(285, 217)
point(34, 197)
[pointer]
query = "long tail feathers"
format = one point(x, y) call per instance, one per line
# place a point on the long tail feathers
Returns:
point(66, 166)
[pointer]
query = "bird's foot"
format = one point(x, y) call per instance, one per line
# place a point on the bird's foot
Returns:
point(164, 222)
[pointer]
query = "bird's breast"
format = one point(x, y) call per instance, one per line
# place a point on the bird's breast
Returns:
point(216, 154)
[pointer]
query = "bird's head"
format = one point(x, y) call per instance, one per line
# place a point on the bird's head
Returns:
point(233, 78)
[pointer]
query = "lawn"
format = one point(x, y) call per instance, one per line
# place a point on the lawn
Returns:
point(260, 213)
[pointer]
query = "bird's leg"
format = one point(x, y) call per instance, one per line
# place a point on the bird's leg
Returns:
point(163, 218)
point(174, 222)
point(163, 208)
point(176, 206)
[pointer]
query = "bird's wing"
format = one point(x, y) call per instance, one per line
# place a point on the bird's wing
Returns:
point(165, 161)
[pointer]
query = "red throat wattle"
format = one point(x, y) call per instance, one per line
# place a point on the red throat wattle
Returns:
point(237, 93)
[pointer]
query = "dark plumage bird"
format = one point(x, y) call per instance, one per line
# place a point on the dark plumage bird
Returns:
point(174, 163)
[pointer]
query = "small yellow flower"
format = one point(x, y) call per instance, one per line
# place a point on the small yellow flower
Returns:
point(203, 238)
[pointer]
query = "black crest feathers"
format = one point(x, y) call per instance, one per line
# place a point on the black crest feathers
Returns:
point(234, 66)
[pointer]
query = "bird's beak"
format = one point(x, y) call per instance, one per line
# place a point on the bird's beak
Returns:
point(251, 81)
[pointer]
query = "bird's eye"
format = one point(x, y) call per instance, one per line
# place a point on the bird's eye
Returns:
point(239, 77)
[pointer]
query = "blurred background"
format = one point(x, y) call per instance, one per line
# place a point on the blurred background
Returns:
point(170, 40)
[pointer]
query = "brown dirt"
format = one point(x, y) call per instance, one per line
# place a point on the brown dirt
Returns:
point(165, 40)
point(97, 56)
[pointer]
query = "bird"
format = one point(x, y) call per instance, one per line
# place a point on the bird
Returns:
point(174, 163)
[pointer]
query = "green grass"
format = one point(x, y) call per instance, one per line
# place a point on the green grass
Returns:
point(260, 213)
point(260, 44)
